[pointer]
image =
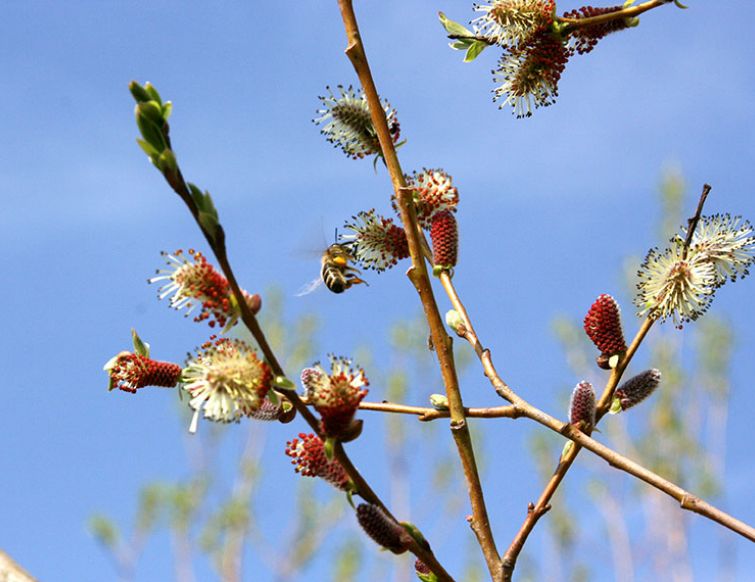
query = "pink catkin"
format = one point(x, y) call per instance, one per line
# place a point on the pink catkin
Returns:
point(444, 235)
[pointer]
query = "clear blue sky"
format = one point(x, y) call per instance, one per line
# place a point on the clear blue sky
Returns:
point(549, 208)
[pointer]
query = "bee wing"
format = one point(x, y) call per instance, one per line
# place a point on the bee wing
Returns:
point(309, 287)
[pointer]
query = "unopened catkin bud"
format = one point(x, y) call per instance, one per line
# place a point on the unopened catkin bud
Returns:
point(444, 235)
point(603, 326)
point(439, 401)
point(635, 390)
point(582, 407)
point(455, 322)
point(381, 528)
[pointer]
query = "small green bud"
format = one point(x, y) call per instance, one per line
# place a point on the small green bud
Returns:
point(455, 322)
point(151, 152)
point(138, 92)
point(151, 131)
point(150, 88)
point(152, 111)
point(439, 401)
point(167, 162)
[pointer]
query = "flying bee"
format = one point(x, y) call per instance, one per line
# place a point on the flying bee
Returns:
point(336, 272)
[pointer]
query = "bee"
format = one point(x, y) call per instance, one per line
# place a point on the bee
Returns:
point(336, 272)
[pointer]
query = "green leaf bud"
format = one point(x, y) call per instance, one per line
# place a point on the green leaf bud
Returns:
point(138, 92)
point(150, 88)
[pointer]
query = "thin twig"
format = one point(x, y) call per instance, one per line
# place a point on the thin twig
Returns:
point(630, 12)
point(418, 275)
point(692, 222)
point(474, 37)
point(426, 414)
point(216, 241)
point(535, 511)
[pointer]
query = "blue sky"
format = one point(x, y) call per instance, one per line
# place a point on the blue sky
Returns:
point(550, 207)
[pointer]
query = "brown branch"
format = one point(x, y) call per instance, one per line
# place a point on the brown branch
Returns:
point(426, 414)
point(418, 275)
point(692, 222)
point(565, 463)
point(474, 37)
point(535, 511)
point(630, 12)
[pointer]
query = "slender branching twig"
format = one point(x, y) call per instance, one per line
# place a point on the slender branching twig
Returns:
point(216, 242)
point(628, 12)
point(418, 275)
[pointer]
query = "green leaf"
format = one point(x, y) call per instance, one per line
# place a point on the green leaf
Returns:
point(209, 222)
point(141, 348)
point(452, 27)
point(166, 162)
point(152, 110)
point(151, 132)
point(461, 45)
point(680, 5)
point(167, 110)
point(196, 193)
point(272, 396)
point(284, 383)
point(150, 88)
point(474, 51)
point(148, 149)
point(138, 92)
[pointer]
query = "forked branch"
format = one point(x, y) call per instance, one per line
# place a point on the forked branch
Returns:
point(419, 277)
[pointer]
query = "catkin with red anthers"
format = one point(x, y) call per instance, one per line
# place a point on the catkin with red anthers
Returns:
point(310, 460)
